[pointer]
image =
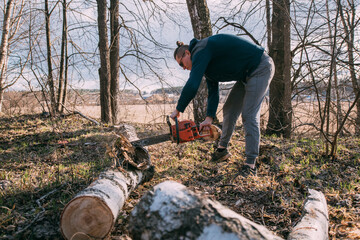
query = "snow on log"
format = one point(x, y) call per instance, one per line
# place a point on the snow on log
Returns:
point(171, 211)
point(314, 223)
point(91, 214)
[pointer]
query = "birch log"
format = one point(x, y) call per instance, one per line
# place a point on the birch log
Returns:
point(314, 223)
point(91, 214)
point(171, 211)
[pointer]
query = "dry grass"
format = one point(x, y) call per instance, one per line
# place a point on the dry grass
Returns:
point(45, 162)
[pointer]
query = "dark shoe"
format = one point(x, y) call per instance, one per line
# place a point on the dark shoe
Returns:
point(246, 170)
point(218, 156)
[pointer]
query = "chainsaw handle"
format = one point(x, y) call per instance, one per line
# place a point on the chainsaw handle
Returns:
point(206, 134)
point(176, 126)
point(168, 122)
point(177, 130)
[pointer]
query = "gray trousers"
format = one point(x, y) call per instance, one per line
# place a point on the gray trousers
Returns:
point(246, 99)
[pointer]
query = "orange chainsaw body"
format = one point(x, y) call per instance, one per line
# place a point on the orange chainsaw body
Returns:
point(186, 131)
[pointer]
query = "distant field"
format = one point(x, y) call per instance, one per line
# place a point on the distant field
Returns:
point(305, 114)
point(151, 113)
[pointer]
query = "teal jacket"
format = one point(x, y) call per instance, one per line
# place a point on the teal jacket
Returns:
point(220, 58)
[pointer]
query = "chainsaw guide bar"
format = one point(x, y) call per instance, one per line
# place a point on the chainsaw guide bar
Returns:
point(152, 140)
point(181, 132)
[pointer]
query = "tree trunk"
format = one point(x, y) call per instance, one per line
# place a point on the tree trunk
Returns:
point(171, 211)
point(1, 97)
point(93, 211)
point(349, 29)
point(200, 21)
point(4, 47)
point(280, 110)
point(50, 78)
point(64, 97)
point(63, 59)
point(104, 71)
point(114, 58)
point(314, 223)
point(91, 214)
point(332, 75)
point(268, 23)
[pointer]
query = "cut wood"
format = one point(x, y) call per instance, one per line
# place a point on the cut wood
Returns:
point(92, 212)
point(171, 211)
point(314, 223)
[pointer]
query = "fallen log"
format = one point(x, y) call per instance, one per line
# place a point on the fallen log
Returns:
point(314, 223)
point(93, 211)
point(171, 211)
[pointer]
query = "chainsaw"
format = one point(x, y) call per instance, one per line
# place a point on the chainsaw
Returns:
point(181, 132)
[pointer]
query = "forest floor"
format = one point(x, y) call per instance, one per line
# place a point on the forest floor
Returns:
point(45, 162)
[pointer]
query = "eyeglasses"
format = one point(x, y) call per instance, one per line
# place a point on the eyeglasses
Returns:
point(180, 62)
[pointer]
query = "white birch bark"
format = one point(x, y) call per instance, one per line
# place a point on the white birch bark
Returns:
point(314, 223)
point(4, 46)
point(171, 211)
point(93, 211)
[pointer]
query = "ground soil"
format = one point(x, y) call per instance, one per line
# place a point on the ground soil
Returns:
point(45, 161)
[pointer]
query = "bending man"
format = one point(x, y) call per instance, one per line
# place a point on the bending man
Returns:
point(225, 58)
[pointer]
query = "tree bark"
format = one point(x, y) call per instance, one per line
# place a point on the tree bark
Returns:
point(4, 47)
point(280, 110)
point(200, 21)
point(171, 211)
point(268, 23)
point(104, 71)
point(314, 223)
point(349, 24)
point(114, 58)
point(93, 212)
point(50, 77)
point(63, 59)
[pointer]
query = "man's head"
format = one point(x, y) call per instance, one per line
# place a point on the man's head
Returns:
point(182, 55)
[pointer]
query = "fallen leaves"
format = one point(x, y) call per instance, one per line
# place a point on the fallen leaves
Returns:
point(38, 156)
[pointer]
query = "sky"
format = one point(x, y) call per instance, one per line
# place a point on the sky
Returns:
point(167, 30)
point(167, 33)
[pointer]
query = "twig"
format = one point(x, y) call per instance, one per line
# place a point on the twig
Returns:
point(82, 115)
point(90, 119)
point(262, 215)
point(40, 213)
point(226, 185)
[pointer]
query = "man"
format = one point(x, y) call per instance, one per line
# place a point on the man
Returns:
point(224, 58)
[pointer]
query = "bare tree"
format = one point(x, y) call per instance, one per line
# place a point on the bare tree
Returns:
point(328, 68)
point(280, 109)
point(50, 78)
point(325, 121)
point(268, 23)
point(104, 71)
point(4, 47)
point(350, 22)
point(11, 40)
point(200, 21)
point(114, 58)
point(62, 89)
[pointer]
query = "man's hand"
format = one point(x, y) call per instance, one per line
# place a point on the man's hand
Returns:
point(205, 125)
point(175, 114)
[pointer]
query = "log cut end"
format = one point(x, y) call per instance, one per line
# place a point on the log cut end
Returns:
point(92, 212)
point(86, 218)
point(215, 134)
